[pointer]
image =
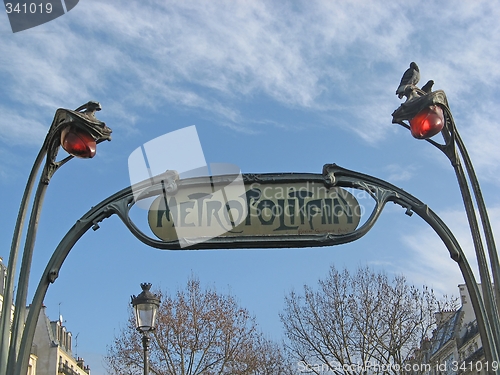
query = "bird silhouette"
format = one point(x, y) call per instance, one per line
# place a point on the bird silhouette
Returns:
point(427, 88)
point(410, 78)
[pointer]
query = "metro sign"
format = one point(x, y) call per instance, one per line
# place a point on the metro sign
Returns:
point(274, 205)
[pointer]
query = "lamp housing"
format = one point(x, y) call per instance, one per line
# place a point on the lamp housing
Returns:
point(79, 130)
point(145, 309)
point(427, 123)
point(78, 142)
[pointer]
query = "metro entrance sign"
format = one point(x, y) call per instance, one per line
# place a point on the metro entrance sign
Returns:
point(333, 180)
point(269, 205)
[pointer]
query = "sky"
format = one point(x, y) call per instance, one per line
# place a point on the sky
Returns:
point(270, 87)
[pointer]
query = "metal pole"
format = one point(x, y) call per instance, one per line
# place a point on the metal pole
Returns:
point(346, 178)
point(51, 272)
point(453, 143)
point(22, 286)
point(145, 345)
point(12, 333)
point(419, 100)
point(450, 135)
point(483, 213)
point(486, 285)
point(5, 326)
point(50, 147)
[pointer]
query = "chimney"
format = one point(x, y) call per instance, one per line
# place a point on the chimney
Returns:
point(80, 363)
point(443, 316)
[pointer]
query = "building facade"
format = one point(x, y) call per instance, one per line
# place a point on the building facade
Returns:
point(455, 346)
point(51, 352)
point(53, 344)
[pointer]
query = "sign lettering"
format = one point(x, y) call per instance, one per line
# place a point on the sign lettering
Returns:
point(297, 208)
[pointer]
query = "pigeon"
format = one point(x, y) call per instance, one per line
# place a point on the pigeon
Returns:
point(427, 88)
point(410, 78)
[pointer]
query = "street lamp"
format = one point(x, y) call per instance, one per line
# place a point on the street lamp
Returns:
point(77, 132)
point(428, 114)
point(145, 308)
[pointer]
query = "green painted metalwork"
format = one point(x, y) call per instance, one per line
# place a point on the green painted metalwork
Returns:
point(381, 191)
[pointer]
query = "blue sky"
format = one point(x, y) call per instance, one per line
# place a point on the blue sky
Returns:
point(271, 87)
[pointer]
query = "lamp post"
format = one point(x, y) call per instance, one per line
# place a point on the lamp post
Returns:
point(145, 308)
point(78, 132)
point(427, 113)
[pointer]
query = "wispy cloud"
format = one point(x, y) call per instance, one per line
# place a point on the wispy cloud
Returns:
point(430, 263)
point(399, 173)
point(16, 129)
point(336, 61)
point(232, 50)
point(482, 140)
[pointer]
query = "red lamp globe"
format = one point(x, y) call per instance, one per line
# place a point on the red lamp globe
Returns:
point(78, 142)
point(427, 123)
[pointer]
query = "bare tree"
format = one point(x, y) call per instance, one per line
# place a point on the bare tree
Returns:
point(198, 332)
point(358, 323)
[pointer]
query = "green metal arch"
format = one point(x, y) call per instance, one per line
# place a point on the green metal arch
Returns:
point(381, 191)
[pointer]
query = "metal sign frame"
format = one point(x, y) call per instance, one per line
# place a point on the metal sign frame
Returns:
point(381, 191)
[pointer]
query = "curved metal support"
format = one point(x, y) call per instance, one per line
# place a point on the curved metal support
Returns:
point(9, 284)
point(22, 286)
point(147, 190)
point(348, 178)
point(333, 175)
point(483, 213)
point(63, 118)
point(453, 141)
point(51, 272)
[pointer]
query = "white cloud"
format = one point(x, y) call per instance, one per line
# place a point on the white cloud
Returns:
point(335, 59)
point(16, 129)
point(431, 264)
point(400, 173)
point(482, 141)
point(234, 49)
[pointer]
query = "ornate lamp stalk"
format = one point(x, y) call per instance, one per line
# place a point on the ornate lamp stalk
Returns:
point(419, 100)
point(84, 119)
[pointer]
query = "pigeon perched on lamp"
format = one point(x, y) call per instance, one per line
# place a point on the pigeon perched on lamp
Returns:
point(409, 80)
point(427, 88)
